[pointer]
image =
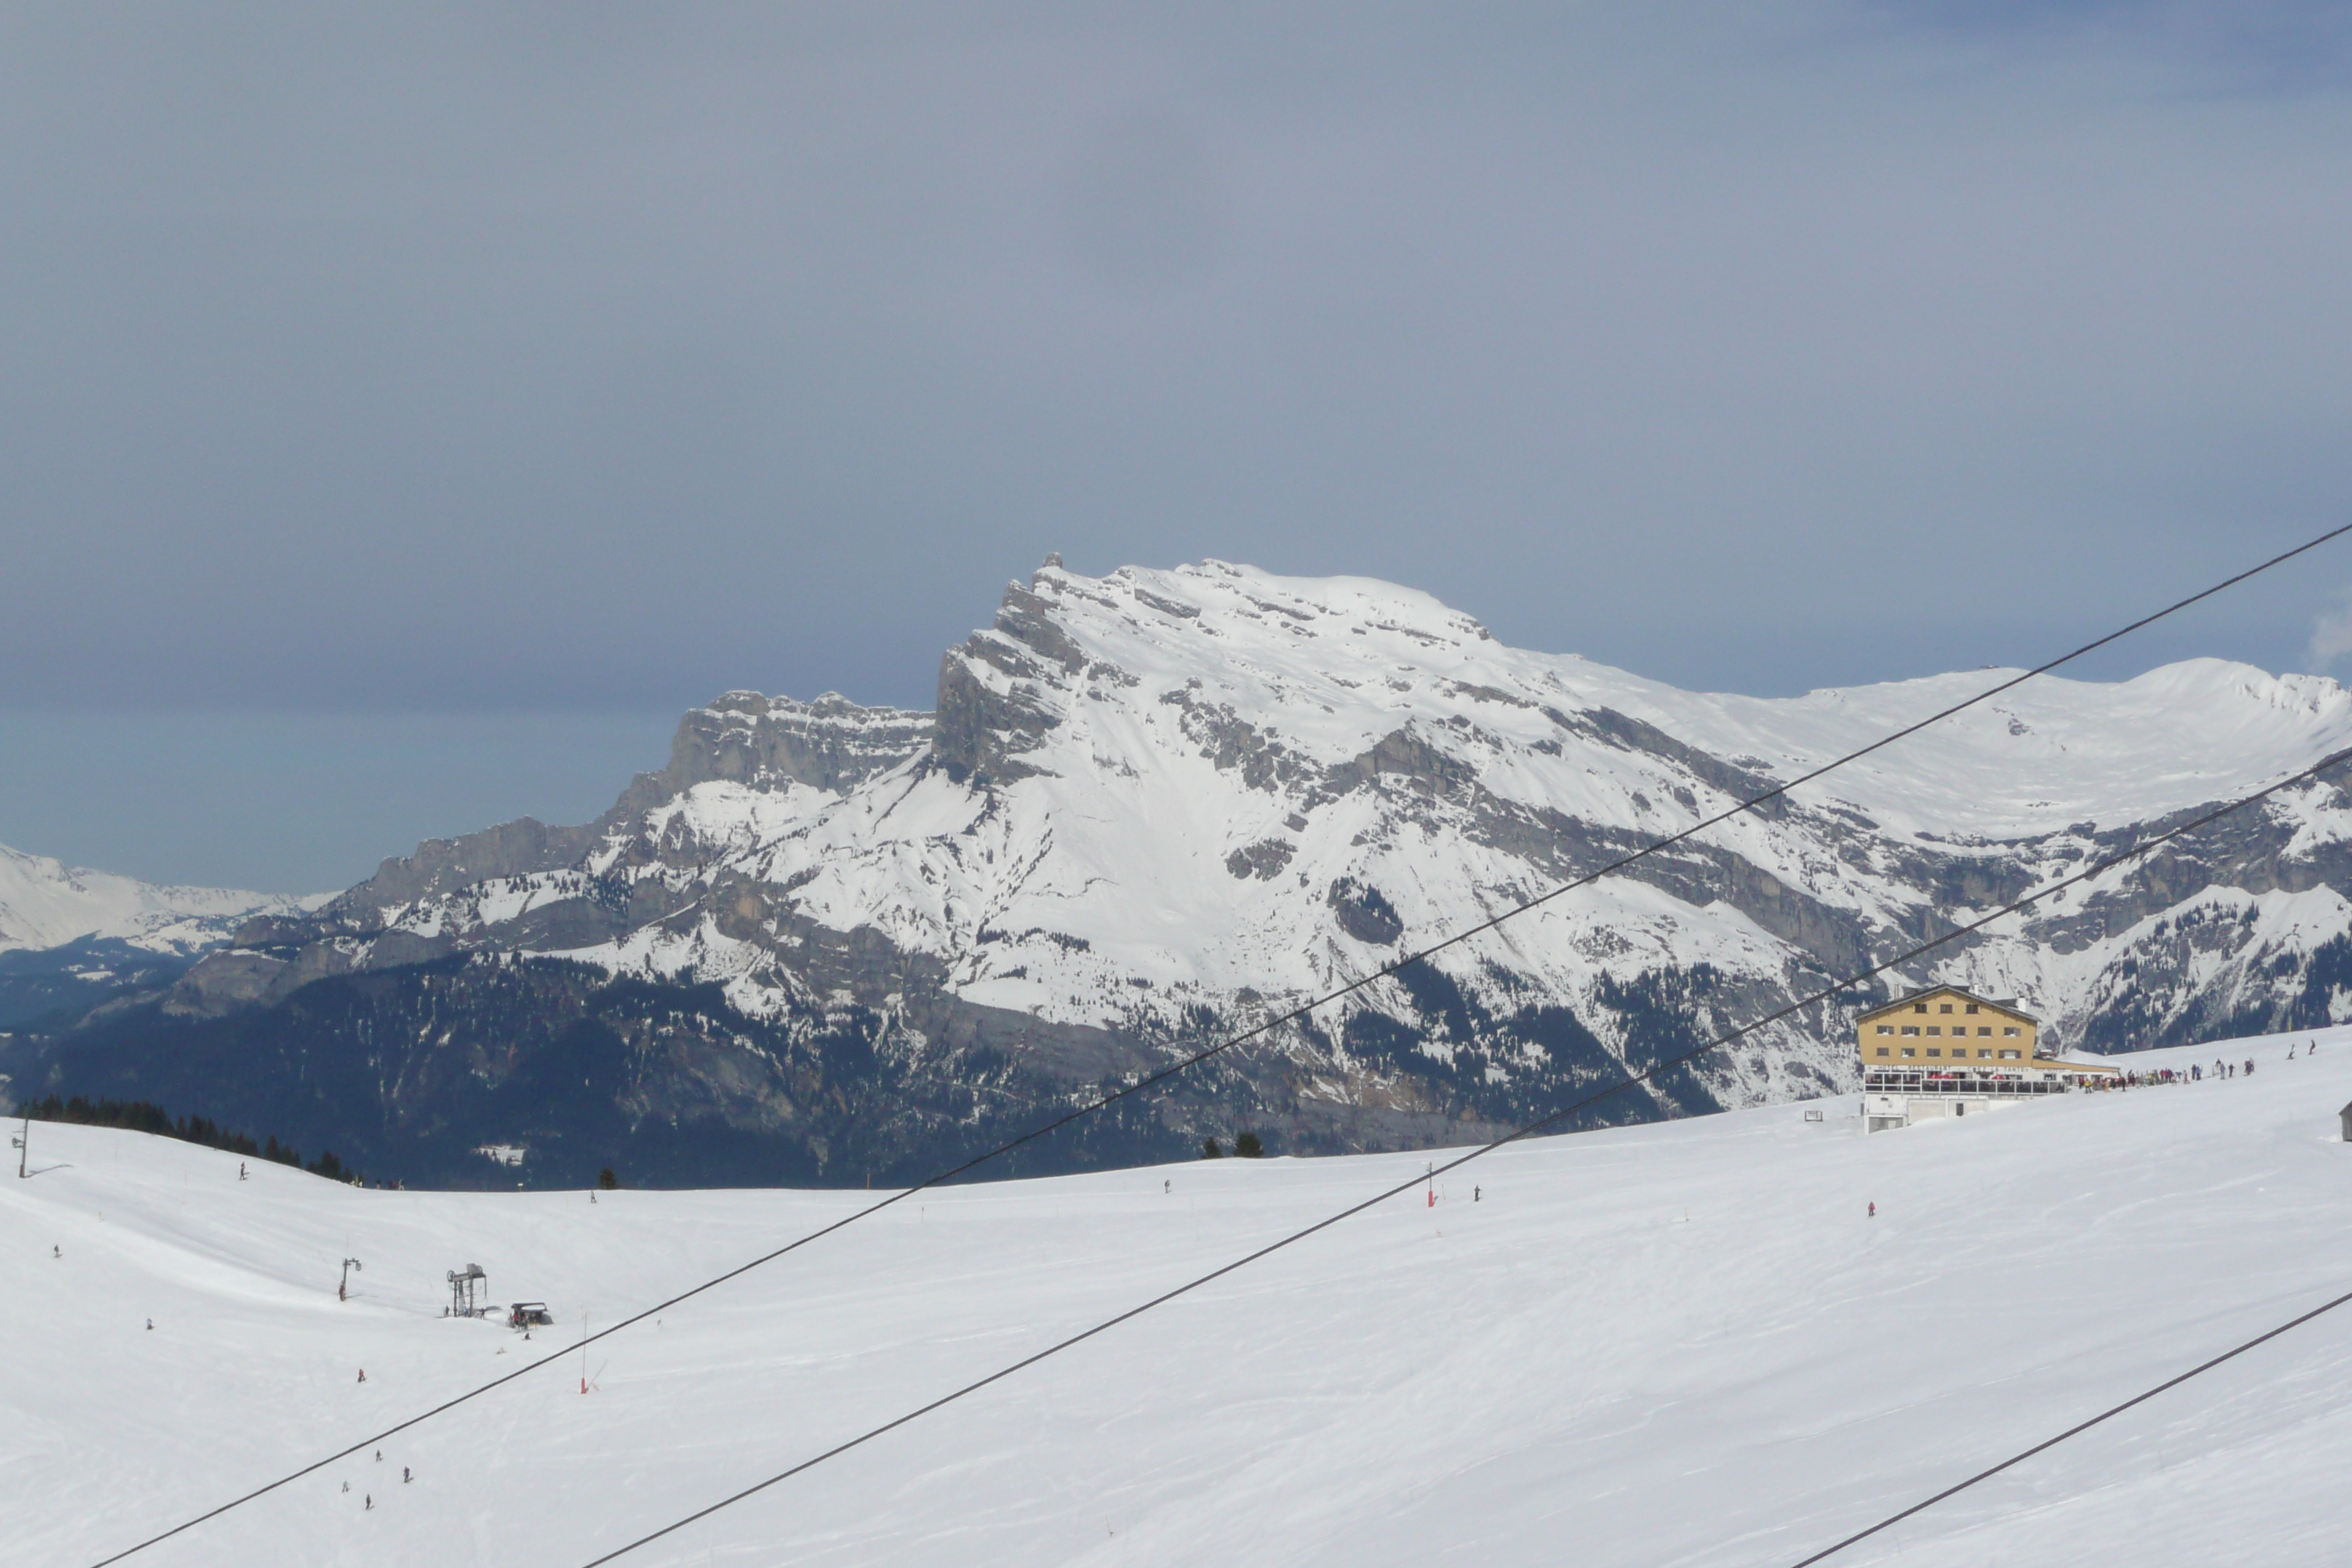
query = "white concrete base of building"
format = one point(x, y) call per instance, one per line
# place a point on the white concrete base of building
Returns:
point(1884, 1112)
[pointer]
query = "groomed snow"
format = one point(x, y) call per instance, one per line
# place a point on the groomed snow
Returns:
point(1674, 1344)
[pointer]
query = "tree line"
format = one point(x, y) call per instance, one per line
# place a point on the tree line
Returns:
point(145, 1116)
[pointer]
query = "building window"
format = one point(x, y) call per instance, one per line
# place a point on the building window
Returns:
point(1920, 1007)
point(1972, 1006)
point(1935, 1050)
point(1885, 1028)
point(1984, 1053)
point(1910, 1028)
point(1882, 1051)
point(2010, 1032)
point(1945, 1008)
point(2009, 1056)
point(1909, 1052)
point(1935, 1029)
point(1985, 1030)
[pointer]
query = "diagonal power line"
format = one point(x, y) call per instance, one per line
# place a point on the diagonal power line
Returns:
point(1529, 1130)
point(1267, 1026)
point(1828, 1552)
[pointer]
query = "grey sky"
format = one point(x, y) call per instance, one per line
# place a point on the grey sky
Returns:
point(579, 362)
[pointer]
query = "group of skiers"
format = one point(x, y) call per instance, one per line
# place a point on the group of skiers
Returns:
point(2196, 1072)
point(368, 1498)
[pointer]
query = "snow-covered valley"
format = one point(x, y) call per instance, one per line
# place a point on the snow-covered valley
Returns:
point(1680, 1343)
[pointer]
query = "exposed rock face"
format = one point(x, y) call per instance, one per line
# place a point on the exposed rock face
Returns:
point(442, 866)
point(764, 743)
point(1363, 913)
point(1157, 806)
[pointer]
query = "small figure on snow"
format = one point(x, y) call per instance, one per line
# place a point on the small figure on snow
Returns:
point(1474, 1195)
point(1873, 1208)
point(57, 1252)
point(347, 1486)
point(240, 1170)
point(151, 1325)
point(379, 1456)
point(371, 1499)
point(1168, 1187)
point(592, 1198)
point(405, 1477)
point(362, 1374)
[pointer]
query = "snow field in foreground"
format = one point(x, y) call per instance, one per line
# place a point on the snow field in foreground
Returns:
point(1676, 1344)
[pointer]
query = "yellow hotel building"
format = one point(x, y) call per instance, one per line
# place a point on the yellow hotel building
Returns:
point(1944, 1051)
point(1946, 1024)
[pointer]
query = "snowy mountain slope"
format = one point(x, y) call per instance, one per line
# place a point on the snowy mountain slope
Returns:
point(1677, 1344)
point(1154, 805)
point(46, 903)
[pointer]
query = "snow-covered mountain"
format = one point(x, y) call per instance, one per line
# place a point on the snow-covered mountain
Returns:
point(1157, 803)
point(46, 903)
point(1690, 1343)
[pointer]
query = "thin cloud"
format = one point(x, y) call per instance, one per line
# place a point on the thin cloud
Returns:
point(2331, 633)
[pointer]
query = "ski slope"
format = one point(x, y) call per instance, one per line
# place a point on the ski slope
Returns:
point(1682, 1343)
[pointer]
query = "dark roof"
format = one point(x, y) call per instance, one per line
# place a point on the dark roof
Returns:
point(2009, 1006)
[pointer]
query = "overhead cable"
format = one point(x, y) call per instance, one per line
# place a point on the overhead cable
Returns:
point(1529, 1130)
point(1258, 1031)
point(2048, 1443)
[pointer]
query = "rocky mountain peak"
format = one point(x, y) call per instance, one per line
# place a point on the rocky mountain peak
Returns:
point(1156, 802)
point(764, 743)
